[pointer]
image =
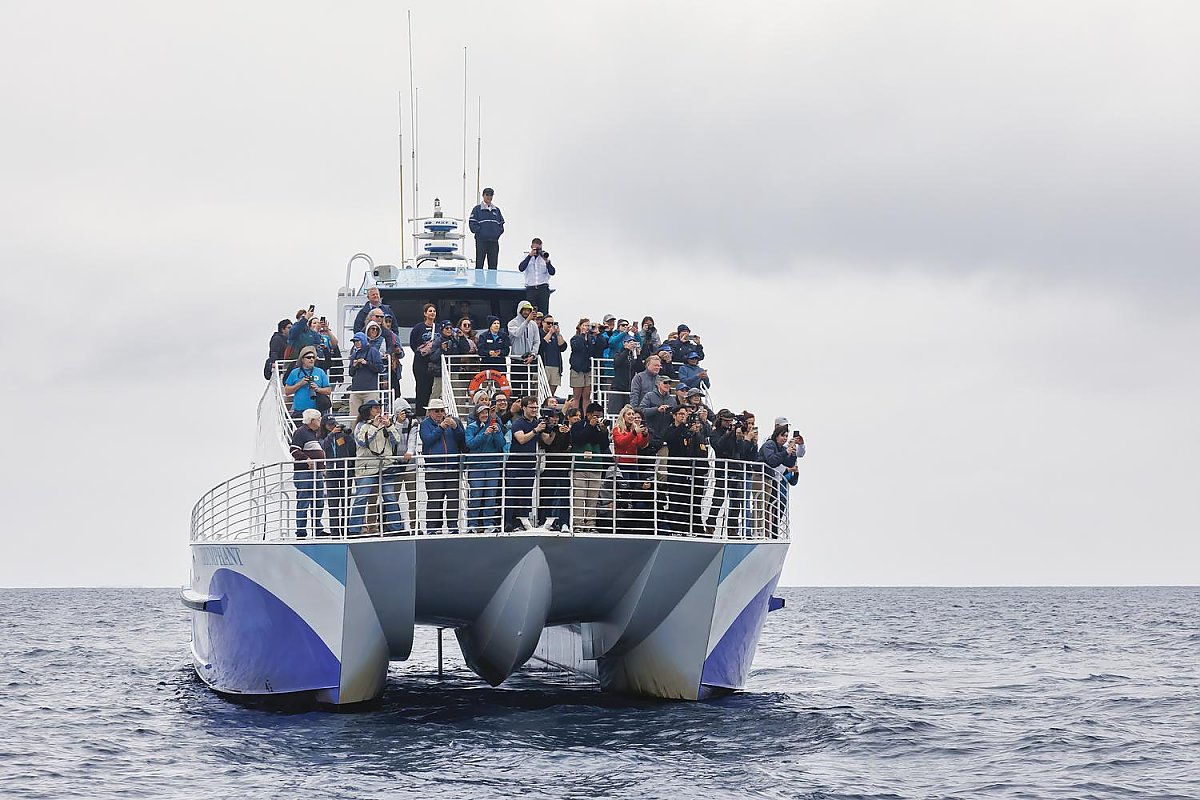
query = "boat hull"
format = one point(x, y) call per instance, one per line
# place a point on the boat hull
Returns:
point(668, 617)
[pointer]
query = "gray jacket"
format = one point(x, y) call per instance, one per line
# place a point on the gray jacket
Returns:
point(641, 385)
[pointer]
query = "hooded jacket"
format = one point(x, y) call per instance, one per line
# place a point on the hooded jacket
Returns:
point(365, 377)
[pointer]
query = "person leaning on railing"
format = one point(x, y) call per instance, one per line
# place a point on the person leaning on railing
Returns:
point(442, 443)
point(377, 448)
point(308, 458)
point(590, 445)
point(485, 442)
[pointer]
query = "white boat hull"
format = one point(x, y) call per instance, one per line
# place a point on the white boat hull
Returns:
point(667, 617)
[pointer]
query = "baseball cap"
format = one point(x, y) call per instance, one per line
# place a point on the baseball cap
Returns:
point(609, 318)
point(781, 422)
point(488, 190)
point(683, 328)
point(692, 354)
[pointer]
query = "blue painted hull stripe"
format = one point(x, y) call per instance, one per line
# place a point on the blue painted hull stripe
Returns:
point(734, 554)
point(331, 557)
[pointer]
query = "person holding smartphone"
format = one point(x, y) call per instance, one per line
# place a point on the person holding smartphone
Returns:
point(485, 446)
point(551, 349)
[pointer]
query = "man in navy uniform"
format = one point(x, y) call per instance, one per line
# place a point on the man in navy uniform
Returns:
point(487, 223)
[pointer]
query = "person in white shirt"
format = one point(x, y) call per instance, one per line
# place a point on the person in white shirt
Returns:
point(537, 269)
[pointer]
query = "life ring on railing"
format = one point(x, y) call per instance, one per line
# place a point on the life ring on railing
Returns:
point(490, 379)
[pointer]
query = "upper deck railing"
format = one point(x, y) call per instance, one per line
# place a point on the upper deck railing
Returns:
point(489, 493)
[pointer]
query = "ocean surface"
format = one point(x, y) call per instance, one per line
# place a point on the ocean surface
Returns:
point(856, 693)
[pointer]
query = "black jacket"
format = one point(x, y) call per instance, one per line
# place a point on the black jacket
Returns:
point(625, 366)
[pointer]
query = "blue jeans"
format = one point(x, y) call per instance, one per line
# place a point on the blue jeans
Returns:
point(366, 487)
point(483, 508)
point(310, 499)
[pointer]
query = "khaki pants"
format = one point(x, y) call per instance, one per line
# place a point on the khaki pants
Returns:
point(554, 378)
point(436, 392)
point(586, 483)
point(358, 398)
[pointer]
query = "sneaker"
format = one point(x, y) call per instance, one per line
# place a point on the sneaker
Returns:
point(301, 534)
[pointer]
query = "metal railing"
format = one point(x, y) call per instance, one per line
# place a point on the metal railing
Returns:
point(341, 397)
point(602, 389)
point(494, 493)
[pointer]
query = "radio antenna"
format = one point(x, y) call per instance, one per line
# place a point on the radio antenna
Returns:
point(412, 99)
point(464, 197)
point(478, 141)
point(400, 126)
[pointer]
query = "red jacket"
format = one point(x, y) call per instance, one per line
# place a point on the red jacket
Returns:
point(628, 444)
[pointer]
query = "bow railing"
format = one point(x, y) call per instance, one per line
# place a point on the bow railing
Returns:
point(498, 494)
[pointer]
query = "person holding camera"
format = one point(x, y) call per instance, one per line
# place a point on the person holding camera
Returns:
point(727, 470)
point(308, 385)
point(685, 447)
point(524, 339)
point(685, 343)
point(648, 337)
point(522, 464)
point(626, 364)
point(366, 365)
point(554, 443)
point(537, 269)
point(487, 223)
point(308, 461)
point(442, 442)
point(339, 449)
point(448, 342)
point(303, 334)
point(590, 446)
point(551, 349)
point(485, 438)
point(586, 344)
point(691, 374)
point(377, 445)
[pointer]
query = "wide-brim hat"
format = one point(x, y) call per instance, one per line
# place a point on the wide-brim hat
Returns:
point(435, 405)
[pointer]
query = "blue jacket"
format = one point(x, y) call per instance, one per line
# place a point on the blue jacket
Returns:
point(301, 336)
point(584, 347)
point(487, 342)
point(774, 456)
point(486, 224)
point(551, 352)
point(365, 377)
point(479, 441)
point(441, 446)
point(689, 376)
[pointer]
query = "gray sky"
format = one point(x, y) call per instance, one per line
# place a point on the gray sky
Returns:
point(951, 240)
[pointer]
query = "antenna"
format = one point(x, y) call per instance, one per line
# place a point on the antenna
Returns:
point(412, 99)
point(400, 126)
point(464, 197)
point(478, 141)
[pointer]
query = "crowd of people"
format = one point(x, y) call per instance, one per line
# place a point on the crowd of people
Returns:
point(561, 463)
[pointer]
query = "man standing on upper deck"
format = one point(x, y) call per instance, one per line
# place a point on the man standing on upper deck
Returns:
point(487, 223)
point(537, 269)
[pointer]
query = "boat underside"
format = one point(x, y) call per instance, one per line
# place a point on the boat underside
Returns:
point(667, 617)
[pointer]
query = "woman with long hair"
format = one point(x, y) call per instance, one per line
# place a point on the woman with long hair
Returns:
point(583, 348)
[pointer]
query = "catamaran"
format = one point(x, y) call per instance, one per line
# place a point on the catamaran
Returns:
point(636, 602)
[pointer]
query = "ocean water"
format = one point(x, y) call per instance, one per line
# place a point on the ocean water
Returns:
point(856, 693)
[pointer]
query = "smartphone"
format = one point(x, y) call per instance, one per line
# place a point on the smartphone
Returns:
point(312, 307)
point(795, 434)
point(322, 319)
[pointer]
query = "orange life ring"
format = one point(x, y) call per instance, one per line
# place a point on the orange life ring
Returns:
point(493, 376)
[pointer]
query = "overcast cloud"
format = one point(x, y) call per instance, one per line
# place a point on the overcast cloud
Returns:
point(955, 241)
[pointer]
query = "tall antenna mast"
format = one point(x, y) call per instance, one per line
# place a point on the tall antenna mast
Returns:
point(400, 126)
point(464, 197)
point(478, 141)
point(412, 99)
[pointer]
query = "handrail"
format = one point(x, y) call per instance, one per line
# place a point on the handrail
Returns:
point(488, 493)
